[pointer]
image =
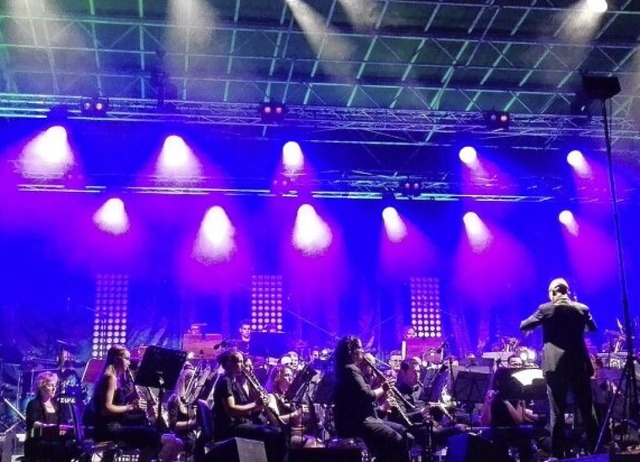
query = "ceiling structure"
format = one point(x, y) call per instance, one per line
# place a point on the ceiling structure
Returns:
point(416, 74)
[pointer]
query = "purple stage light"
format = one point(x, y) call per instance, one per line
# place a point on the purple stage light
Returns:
point(395, 227)
point(477, 232)
point(176, 160)
point(216, 237)
point(292, 157)
point(112, 217)
point(569, 221)
point(311, 234)
point(566, 217)
point(48, 154)
point(468, 155)
point(577, 160)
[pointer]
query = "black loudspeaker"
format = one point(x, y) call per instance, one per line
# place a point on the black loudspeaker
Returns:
point(473, 448)
point(325, 455)
point(600, 86)
point(237, 450)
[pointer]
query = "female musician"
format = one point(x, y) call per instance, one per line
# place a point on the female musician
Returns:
point(280, 379)
point(182, 419)
point(118, 416)
point(45, 434)
point(354, 411)
point(235, 414)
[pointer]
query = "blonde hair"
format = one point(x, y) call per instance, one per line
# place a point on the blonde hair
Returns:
point(44, 378)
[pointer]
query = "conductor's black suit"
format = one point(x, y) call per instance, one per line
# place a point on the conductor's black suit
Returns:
point(565, 362)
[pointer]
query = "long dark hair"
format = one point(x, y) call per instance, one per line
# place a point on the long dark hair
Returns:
point(114, 352)
point(344, 350)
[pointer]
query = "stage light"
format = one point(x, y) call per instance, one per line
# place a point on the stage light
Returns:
point(410, 188)
point(569, 221)
point(216, 238)
point(478, 233)
point(393, 224)
point(94, 107)
point(597, 6)
point(566, 217)
point(311, 234)
point(575, 158)
point(580, 165)
point(468, 155)
point(110, 318)
point(273, 112)
point(112, 217)
point(497, 120)
point(292, 157)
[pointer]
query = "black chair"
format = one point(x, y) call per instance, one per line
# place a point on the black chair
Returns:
point(107, 450)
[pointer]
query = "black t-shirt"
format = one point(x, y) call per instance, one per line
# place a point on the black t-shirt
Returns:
point(222, 421)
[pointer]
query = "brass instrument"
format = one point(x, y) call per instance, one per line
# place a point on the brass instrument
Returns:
point(272, 414)
point(397, 396)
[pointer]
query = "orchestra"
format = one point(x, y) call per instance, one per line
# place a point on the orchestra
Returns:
point(399, 404)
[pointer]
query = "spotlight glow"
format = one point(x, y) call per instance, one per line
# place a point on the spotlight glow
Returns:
point(395, 227)
point(216, 238)
point(580, 165)
point(569, 221)
point(468, 155)
point(177, 161)
point(48, 154)
point(292, 157)
point(478, 233)
point(311, 234)
point(597, 6)
point(112, 217)
point(575, 158)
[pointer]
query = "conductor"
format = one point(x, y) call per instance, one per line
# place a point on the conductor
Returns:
point(565, 361)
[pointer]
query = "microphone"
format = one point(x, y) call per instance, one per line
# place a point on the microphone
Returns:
point(442, 346)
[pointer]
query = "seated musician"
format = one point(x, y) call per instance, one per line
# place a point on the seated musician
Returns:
point(508, 419)
point(279, 381)
point(47, 438)
point(408, 380)
point(182, 417)
point(118, 416)
point(354, 411)
point(237, 410)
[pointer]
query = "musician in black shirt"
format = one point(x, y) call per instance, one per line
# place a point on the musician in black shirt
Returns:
point(117, 414)
point(46, 435)
point(354, 411)
point(237, 411)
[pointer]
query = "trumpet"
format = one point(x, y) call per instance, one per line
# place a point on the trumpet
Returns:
point(272, 414)
point(395, 393)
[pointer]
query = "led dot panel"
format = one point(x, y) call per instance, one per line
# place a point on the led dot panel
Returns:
point(110, 320)
point(266, 302)
point(425, 306)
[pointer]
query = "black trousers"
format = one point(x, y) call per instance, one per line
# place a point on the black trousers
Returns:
point(558, 385)
point(387, 441)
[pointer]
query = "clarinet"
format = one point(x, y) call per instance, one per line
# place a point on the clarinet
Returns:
point(272, 415)
point(396, 394)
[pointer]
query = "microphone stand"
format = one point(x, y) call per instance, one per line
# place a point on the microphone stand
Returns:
point(628, 376)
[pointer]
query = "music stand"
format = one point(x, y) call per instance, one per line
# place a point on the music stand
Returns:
point(269, 344)
point(471, 387)
point(160, 368)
